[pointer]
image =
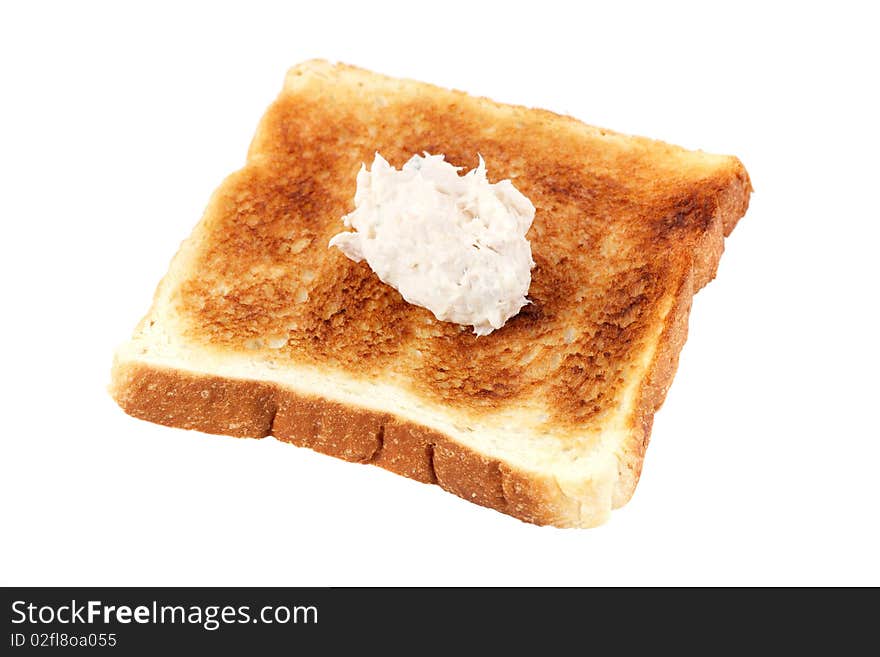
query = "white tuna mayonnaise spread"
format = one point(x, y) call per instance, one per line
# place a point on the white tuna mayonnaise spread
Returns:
point(455, 245)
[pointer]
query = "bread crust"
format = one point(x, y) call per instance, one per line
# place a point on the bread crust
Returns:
point(265, 216)
point(253, 409)
point(733, 201)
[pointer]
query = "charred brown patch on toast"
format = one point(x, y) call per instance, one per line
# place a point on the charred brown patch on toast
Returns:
point(612, 236)
point(592, 372)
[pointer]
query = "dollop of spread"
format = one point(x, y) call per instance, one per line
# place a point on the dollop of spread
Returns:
point(454, 244)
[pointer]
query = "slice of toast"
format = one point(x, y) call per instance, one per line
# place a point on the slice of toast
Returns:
point(259, 328)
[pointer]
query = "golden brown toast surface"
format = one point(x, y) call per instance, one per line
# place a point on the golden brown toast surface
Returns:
point(617, 225)
point(259, 328)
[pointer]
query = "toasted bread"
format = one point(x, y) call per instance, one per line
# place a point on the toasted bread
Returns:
point(260, 329)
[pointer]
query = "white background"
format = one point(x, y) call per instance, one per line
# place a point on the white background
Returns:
point(117, 123)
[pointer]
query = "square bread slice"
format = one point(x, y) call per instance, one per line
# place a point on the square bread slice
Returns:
point(259, 328)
